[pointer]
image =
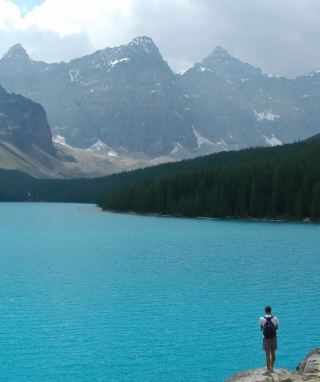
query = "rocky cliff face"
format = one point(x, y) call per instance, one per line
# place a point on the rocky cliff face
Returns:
point(129, 99)
point(126, 97)
point(23, 123)
point(307, 370)
point(239, 105)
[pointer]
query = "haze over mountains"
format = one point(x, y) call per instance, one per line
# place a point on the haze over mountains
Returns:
point(127, 104)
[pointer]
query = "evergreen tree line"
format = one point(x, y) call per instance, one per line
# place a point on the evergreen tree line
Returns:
point(283, 186)
point(14, 186)
point(279, 182)
point(17, 186)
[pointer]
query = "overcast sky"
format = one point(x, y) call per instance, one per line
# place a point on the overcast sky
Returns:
point(280, 36)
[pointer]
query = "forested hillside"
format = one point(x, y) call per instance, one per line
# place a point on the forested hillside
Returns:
point(278, 183)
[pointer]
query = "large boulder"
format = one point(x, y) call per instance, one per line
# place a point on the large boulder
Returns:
point(311, 364)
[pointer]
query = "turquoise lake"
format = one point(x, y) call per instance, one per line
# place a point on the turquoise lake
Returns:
point(87, 295)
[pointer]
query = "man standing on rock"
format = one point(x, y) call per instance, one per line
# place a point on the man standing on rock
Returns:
point(269, 325)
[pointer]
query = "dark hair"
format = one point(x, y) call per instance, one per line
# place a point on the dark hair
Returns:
point(267, 309)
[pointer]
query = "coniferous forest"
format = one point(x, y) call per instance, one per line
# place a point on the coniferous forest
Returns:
point(277, 183)
point(261, 183)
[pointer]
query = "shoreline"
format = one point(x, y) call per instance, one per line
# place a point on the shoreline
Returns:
point(154, 214)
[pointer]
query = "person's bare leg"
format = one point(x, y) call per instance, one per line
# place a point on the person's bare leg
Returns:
point(273, 357)
point(268, 359)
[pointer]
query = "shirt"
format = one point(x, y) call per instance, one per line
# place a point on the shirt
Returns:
point(275, 320)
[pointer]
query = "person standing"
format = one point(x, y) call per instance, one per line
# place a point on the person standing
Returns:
point(269, 325)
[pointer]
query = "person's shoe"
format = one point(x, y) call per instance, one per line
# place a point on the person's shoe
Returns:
point(272, 370)
point(267, 372)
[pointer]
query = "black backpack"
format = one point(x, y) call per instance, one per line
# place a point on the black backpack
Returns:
point(269, 330)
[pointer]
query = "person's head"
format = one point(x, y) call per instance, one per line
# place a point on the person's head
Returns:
point(267, 309)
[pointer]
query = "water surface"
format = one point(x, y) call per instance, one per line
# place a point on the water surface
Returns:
point(91, 296)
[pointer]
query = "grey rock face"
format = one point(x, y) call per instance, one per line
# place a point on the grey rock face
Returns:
point(242, 106)
point(129, 99)
point(23, 123)
point(310, 364)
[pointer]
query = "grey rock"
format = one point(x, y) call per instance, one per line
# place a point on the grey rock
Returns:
point(310, 364)
point(23, 123)
point(240, 105)
point(126, 97)
point(307, 370)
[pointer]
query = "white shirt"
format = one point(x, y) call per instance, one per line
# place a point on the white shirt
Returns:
point(275, 320)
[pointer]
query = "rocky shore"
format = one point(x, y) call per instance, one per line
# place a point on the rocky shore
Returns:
point(307, 370)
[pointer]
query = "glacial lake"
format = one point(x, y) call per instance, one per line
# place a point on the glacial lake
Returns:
point(87, 295)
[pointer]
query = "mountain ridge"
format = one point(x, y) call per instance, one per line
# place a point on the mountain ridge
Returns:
point(122, 96)
point(129, 98)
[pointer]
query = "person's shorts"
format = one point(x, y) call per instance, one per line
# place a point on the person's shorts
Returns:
point(269, 343)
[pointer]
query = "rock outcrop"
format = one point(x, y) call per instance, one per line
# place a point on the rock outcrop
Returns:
point(311, 364)
point(23, 123)
point(307, 370)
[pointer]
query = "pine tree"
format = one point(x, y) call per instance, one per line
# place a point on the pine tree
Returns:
point(253, 210)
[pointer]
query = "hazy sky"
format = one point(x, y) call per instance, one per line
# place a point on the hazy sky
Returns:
point(280, 36)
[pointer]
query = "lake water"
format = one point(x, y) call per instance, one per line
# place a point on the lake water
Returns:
point(92, 296)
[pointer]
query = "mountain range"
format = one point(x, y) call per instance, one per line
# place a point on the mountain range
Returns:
point(125, 105)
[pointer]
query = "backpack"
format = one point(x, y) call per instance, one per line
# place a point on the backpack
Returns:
point(269, 329)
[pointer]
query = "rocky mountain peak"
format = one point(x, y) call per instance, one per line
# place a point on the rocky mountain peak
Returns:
point(144, 45)
point(219, 52)
point(140, 52)
point(222, 63)
point(218, 59)
point(16, 59)
point(16, 51)
point(124, 96)
point(128, 98)
point(143, 40)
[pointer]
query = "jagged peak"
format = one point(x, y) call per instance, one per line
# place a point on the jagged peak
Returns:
point(145, 43)
point(18, 51)
point(219, 57)
point(221, 62)
point(139, 43)
point(142, 40)
point(218, 51)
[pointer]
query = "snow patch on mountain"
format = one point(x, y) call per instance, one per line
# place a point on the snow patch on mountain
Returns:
point(73, 74)
point(60, 139)
point(176, 148)
point(274, 76)
point(202, 69)
point(200, 139)
point(273, 141)
point(101, 148)
point(265, 115)
point(115, 62)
